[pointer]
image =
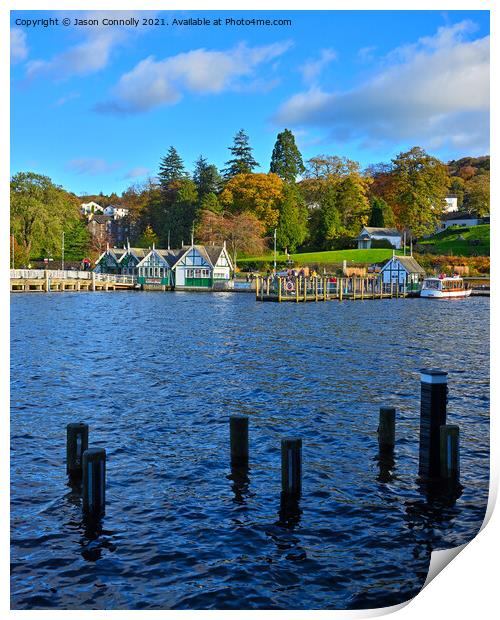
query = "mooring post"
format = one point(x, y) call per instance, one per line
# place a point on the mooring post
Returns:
point(257, 287)
point(94, 482)
point(238, 434)
point(93, 280)
point(305, 288)
point(434, 390)
point(297, 284)
point(316, 285)
point(291, 466)
point(47, 281)
point(279, 288)
point(387, 429)
point(450, 452)
point(77, 441)
point(341, 289)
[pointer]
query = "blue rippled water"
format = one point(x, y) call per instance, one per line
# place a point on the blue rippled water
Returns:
point(156, 377)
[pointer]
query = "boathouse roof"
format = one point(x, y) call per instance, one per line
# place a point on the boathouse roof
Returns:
point(408, 262)
point(389, 232)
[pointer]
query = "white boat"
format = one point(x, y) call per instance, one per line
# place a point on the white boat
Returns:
point(445, 287)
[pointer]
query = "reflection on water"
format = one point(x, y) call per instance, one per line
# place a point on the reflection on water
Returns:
point(157, 377)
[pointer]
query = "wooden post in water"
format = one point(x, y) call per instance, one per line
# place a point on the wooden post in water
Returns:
point(93, 280)
point(257, 281)
point(94, 482)
point(47, 281)
point(387, 429)
point(305, 288)
point(279, 288)
point(363, 281)
point(316, 285)
point(450, 452)
point(434, 390)
point(77, 441)
point(341, 290)
point(381, 281)
point(324, 289)
point(238, 433)
point(297, 285)
point(291, 466)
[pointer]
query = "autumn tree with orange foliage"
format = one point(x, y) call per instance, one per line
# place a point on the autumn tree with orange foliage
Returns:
point(242, 232)
point(256, 194)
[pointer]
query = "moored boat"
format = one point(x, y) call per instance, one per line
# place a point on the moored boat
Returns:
point(444, 286)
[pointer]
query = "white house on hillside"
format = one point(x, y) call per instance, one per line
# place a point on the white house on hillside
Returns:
point(451, 203)
point(369, 234)
point(116, 211)
point(88, 208)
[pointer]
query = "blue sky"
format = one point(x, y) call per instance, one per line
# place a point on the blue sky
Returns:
point(95, 107)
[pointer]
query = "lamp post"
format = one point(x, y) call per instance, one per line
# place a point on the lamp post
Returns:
point(62, 258)
point(275, 251)
point(12, 251)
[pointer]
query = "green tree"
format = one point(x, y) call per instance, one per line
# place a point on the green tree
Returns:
point(77, 240)
point(420, 185)
point(457, 187)
point(210, 202)
point(148, 238)
point(40, 211)
point(286, 160)
point(206, 177)
point(180, 212)
point(477, 195)
point(242, 161)
point(381, 215)
point(292, 224)
point(171, 168)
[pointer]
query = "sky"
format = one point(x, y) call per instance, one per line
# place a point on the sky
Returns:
point(95, 107)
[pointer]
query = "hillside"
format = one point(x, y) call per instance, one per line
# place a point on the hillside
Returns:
point(473, 241)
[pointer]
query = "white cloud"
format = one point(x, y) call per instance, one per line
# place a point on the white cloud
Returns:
point(88, 57)
point(91, 165)
point(312, 69)
point(434, 93)
point(93, 53)
point(152, 82)
point(139, 171)
point(18, 46)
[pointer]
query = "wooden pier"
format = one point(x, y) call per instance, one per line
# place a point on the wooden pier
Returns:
point(45, 280)
point(321, 288)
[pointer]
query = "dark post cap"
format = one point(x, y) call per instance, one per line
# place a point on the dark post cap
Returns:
point(434, 372)
point(94, 453)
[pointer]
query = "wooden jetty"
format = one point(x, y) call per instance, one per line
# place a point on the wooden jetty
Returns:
point(321, 288)
point(46, 280)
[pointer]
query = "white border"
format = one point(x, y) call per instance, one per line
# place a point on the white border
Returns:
point(468, 586)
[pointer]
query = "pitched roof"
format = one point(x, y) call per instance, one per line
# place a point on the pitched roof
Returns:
point(99, 218)
point(458, 215)
point(214, 252)
point(390, 232)
point(409, 263)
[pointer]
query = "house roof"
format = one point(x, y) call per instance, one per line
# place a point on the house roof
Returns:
point(389, 232)
point(458, 215)
point(99, 218)
point(408, 262)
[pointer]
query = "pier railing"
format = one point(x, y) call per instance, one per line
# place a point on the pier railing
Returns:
point(322, 288)
point(69, 274)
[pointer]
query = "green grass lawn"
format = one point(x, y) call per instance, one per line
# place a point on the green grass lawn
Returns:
point(334, 256)
point(456, 240)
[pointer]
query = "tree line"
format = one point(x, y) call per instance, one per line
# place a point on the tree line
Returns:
point(318, 204)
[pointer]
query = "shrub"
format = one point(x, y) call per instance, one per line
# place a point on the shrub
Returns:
point(382, 244)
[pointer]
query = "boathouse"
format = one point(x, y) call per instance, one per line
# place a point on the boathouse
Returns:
point(155, 269)
point(202, 267)
point(369, 234)
point(403, 271)
point(109, 261)
point(131, 258)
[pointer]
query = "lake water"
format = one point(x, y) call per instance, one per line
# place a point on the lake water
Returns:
point(156, 376)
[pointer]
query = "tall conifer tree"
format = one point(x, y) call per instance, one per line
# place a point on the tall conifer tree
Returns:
point(286, 160)
point(242, 161)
